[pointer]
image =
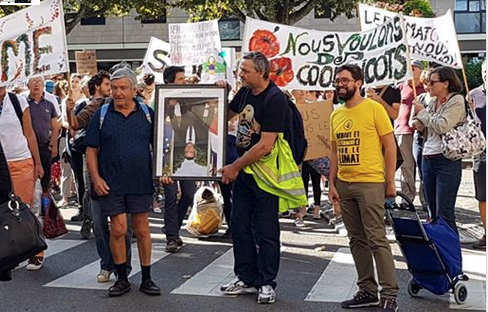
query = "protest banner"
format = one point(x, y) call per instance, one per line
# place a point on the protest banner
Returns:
point(307, 59)
point(86, 62)
point(157, 58)
point(316, 123)
point(193, 43)
point(429, 39)
point(219, 66)
point(33, 43)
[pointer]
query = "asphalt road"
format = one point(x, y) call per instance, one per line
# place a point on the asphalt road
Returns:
point(315, 273)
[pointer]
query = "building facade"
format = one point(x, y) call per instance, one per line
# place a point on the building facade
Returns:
point(124, 38)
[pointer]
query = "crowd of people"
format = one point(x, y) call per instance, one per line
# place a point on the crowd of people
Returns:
point(100, 130)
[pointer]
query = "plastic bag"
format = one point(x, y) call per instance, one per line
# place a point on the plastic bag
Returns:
point(206, 214)
point(36, 205)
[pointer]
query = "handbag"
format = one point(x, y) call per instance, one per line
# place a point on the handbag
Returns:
point(54, 225)
point(21, 235)
point(465, 140)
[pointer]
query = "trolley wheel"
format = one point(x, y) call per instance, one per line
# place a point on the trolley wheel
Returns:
point(413, 288)
point(460, 293)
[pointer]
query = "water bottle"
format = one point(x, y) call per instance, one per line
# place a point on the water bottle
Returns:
point(45, 202)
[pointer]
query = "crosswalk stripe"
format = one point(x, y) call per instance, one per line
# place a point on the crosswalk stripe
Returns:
point(85, 277)
point(55, 246)
point(338, 281)
point(475, 267)
point(207, 282)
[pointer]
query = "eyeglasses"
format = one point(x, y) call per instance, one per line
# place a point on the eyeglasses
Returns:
point(343, 81)
point(431, 82)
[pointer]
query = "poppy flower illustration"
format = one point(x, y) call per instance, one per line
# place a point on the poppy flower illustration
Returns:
point(264, 41)
point(281, 71)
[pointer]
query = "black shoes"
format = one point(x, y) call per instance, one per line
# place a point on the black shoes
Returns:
point(86, 228)
point(360, 300)
point(119, 288)
point(150, 288)
point(77, 217)
point(173, 244)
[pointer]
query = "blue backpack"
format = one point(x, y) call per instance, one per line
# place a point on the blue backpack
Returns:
point(294, 131)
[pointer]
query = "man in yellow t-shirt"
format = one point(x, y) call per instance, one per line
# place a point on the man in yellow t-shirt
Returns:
point(359, 131)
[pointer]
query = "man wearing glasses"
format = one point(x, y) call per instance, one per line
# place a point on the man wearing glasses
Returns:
point(359, 130)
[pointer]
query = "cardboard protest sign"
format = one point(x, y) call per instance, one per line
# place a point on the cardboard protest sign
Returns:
point(33, 42)
point(429, 39)
point(193, 43)
point(307, 59)
point(316, 122)
point(86, 62)
point(157, 58)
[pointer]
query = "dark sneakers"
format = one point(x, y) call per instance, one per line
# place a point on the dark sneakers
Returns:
point(388, 304)
point(361, 299)
point(86, 228)
point(119, 288)
point(173, 244)
point(150, 288)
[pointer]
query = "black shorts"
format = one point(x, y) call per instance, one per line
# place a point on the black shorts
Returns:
point(112, 205)
point(480, 182)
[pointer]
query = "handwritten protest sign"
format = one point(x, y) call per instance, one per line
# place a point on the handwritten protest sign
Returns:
point(157, 58)
point(307, 59)
point(193, 43)
point(316, 122)
point(33, 42)
point(429, 39)
point(86, 62)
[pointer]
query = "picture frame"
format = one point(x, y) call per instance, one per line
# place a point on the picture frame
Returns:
point(191, 131)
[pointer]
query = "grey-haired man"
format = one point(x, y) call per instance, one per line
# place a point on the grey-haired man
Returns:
point(119, 160)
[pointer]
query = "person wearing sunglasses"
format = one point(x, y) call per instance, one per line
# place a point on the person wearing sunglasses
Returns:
point(441, 176)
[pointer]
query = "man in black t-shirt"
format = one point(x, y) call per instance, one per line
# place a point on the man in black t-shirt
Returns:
point(388, 96)
point(254, 220)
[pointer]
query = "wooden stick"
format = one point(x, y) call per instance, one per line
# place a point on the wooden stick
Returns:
point(466, 84)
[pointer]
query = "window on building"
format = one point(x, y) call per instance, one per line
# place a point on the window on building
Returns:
point(470, 16)
point(158, 20)
point(230, 29)
point(93, 20)
point(326, 14)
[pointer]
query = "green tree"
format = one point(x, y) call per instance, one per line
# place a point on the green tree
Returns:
point(75, 10)
point(288, 12)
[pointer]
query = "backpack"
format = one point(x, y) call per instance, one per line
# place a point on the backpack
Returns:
point(16, 104)
point(294, 132)
point(104, 109)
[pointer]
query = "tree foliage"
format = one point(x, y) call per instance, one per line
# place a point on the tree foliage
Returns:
point(286, 12)
point(75, 10)
point(289, 12)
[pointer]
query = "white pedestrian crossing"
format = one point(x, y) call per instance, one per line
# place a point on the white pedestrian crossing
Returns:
point(207, 282)
point(55, 246)
point(86, 277)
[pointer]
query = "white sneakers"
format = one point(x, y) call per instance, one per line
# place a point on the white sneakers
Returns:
point(266, 294)
point(103, 276)
point(238, 287)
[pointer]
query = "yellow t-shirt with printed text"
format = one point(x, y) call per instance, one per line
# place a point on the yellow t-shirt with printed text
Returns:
point(356, 132)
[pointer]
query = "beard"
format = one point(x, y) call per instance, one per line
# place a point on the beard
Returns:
point(348, 95)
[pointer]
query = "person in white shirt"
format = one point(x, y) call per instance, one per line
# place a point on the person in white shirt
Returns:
point(189, 167)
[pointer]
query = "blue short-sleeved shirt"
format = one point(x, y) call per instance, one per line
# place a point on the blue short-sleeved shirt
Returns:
point(124, 150)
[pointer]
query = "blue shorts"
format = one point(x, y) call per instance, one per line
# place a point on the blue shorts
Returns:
point(112, 205)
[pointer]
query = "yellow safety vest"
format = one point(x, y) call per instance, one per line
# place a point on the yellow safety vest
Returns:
point(278, 174)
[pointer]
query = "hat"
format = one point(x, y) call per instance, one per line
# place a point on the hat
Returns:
point(49, 86)
point(418, 64)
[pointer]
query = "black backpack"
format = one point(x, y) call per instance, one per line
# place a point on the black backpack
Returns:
point(294, 131)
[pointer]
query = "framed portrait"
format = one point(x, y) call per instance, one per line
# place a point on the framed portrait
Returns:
point(191, 131)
